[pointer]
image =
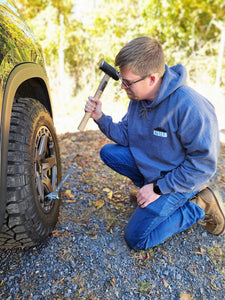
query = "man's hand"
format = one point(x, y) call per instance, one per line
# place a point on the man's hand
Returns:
point(146, 195)
point(95, 106)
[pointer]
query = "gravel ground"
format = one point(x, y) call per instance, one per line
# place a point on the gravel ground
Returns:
point(87, 258)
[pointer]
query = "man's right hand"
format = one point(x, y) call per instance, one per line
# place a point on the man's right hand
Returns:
point(95, 106)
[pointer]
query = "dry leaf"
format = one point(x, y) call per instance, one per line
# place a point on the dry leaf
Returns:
point(56, 233)
point(89, 174)
point(67, 193)
point(184, 296)
point(110, 195)
point(117, 195)
point(166, 284)
point(71, 201)
point(112, 282)
point(99, 203)
point(110, 253)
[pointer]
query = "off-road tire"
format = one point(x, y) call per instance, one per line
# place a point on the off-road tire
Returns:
point(34, 170)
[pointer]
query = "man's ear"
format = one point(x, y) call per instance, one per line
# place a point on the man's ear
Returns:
point(152, 79)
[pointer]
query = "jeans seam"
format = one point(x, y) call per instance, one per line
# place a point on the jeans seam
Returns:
point(124, 165)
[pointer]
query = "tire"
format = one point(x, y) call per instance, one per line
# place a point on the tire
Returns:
point(34, 170)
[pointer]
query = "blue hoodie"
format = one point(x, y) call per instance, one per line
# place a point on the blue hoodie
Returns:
point(175, 140)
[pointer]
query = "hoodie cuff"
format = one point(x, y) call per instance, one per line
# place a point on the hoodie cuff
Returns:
point(101, 120)
point(163, 186)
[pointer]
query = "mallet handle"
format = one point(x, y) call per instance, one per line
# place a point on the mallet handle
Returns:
point(97, 95)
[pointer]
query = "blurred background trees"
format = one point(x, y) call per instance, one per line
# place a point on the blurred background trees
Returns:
point(76, 35)
point(97, 29)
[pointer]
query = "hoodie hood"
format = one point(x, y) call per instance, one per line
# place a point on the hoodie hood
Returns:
point(173, 78)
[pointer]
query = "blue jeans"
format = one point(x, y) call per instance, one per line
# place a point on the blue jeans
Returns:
point(168, 215)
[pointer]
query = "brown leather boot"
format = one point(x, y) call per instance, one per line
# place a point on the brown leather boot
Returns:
point(212, 203)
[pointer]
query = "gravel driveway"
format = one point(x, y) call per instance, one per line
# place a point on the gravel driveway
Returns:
point(87, 258)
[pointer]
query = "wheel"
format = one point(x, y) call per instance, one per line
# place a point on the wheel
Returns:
point(34, 170)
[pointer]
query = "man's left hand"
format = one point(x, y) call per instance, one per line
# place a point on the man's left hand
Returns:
point(146, 195)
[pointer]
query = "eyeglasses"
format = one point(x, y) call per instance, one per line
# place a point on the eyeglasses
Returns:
point(128, 84)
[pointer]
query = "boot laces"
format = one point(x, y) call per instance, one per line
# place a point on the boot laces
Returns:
point(210, 219)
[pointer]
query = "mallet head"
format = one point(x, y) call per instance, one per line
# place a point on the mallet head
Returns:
point(109, 70)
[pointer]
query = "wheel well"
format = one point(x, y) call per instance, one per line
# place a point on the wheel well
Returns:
point(35, 88)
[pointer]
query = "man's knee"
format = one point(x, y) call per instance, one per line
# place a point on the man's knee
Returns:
point(105, 150)
point(134, 241)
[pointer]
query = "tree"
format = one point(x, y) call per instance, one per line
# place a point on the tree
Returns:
point(184, 27)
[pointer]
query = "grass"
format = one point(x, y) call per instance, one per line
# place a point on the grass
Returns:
point(217, 257)
point(143, 257)
point(144, 287)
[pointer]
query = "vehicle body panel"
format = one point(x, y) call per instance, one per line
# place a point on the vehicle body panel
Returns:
point(22, 74)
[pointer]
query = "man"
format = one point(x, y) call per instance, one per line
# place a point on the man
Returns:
point(167, 144)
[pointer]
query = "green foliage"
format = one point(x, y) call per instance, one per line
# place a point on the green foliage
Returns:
point(31, 8)
point(185, 28)
point(144, 287)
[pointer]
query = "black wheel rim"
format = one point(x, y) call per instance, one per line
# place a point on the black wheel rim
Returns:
point(45, 167)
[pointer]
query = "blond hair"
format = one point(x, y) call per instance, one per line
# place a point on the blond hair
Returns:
point(143, 55)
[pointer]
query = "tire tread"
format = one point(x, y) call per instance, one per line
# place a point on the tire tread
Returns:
point(22, 227)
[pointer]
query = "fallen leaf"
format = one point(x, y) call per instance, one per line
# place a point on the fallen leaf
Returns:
point(166, 284)
point(147, 256)
point(56, 233)
point(89, 174)
point(99, 204)
point(110, 253)
point(117, 196)
point(184, 296)
point(68, 194)
point(110, 195)
point(112, 282)
point(71, 201)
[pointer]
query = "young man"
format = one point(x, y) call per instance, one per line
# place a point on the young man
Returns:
point(167, 144)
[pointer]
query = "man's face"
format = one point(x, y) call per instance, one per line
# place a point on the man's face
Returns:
point(140, 90)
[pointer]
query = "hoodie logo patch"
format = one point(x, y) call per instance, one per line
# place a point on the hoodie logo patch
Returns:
point(160, 132)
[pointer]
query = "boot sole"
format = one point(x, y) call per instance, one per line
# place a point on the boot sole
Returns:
point(221, 207)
